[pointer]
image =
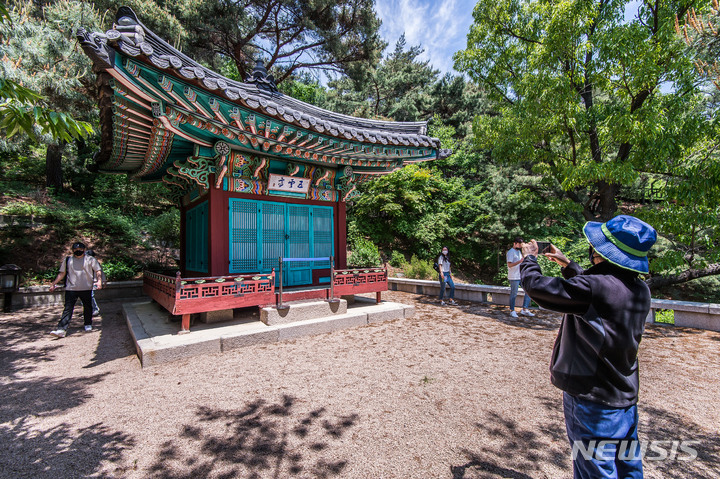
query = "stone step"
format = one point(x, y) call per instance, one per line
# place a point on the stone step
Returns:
point(301, 311)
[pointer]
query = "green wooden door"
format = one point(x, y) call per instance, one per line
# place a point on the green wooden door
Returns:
point(196, 238)
point(322, 234)
point(272, 236)
point(298, 245)
point(263, 231)
point(244, 248)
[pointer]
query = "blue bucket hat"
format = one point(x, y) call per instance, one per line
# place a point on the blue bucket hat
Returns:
point(623, 241)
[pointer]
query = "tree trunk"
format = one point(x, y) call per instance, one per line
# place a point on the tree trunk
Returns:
point(53, 166)
point(602, 204)
point(655, 282)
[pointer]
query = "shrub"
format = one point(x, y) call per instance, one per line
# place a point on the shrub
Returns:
point(419, 269)
point(20, 208)
point(120, 270)
point(165, 229)
point(397, 259)
point(665, 316)
point(112, 223)
point(364, 254)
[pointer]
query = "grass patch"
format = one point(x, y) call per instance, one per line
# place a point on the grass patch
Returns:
point(666, 316)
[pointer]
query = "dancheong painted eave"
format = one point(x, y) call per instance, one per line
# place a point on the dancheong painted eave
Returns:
point(159, 107)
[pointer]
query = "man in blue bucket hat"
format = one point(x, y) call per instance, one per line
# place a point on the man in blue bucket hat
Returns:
point(594, 359)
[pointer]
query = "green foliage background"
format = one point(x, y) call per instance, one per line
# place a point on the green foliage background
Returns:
point(546, 81)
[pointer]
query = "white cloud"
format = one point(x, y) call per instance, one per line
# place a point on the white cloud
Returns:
point(440, 27)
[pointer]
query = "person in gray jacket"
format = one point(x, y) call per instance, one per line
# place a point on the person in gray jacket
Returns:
point(594, 359)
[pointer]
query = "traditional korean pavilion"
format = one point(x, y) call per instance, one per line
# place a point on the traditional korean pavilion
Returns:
point(257, 175)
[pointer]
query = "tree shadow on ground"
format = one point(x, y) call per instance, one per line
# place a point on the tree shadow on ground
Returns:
point(60, 452)
point(543, 320)
point(115, 341)
point(20, 398)
point(260, 440)
point(18, 332)
point(660, 330)
point(663, 425)
point(512, 451)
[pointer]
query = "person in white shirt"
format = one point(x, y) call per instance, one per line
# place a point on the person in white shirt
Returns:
point(82, 272)
point(514, 258)
point(443, 262)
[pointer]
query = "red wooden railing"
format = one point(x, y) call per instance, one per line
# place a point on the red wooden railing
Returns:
point(360, 280)
point(184, 296)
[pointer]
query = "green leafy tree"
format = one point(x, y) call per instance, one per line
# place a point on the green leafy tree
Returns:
point(456, 102)
point(23, 110)
point(591, 99)
point(46, 84)
point(289, 35)
point(689, 190)
point(398, 88)
point(156, 15)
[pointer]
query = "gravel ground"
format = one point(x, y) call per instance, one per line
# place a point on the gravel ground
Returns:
point(454, 392)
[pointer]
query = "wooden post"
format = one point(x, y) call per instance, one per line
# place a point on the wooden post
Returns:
point(332, 281)
point(185, 328)
point(341, 233)
point(218, 231)
point(178, 285)
point(332, 278)
point(280, 305)
point(185, 324)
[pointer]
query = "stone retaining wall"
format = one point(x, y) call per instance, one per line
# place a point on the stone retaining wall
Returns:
point(687, 313)
point(40, 295)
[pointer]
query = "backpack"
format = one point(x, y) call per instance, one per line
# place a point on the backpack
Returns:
point(67, 265)
point(436, 266)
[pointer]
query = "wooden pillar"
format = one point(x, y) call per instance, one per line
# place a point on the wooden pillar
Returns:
point(341, 234)
point(185, 325)
point(218, 232)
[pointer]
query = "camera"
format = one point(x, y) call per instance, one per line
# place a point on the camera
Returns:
point(543, 247)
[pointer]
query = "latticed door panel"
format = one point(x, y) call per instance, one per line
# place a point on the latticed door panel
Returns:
point(272, 235)
point(322, 234)
point(244, 257)
point(196, 238)
point(298, 244)
point(262, 231)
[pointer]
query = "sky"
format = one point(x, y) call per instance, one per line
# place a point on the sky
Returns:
point(439, 26)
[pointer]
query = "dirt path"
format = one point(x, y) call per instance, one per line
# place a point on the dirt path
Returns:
point(455, 392)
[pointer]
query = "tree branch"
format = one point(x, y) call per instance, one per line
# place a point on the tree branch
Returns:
point(655, 282)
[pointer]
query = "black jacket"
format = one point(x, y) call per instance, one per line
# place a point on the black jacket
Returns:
point(595, 353)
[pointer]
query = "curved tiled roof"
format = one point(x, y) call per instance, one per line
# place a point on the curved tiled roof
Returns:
point(132, 38)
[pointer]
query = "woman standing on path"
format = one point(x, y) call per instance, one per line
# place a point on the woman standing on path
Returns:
point(443, 262)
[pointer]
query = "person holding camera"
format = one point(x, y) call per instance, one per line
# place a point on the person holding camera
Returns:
point(594, 360)
point(514, 257)
point(80, 271)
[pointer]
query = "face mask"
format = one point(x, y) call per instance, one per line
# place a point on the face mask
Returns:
point(78, 253)
point(445, 252)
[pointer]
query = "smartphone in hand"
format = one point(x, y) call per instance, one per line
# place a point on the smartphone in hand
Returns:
point(543, 247)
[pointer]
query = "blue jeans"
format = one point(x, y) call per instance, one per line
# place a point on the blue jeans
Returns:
point(446, 279)
point(514, 285)
point(71, 298)
point(588, 424)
